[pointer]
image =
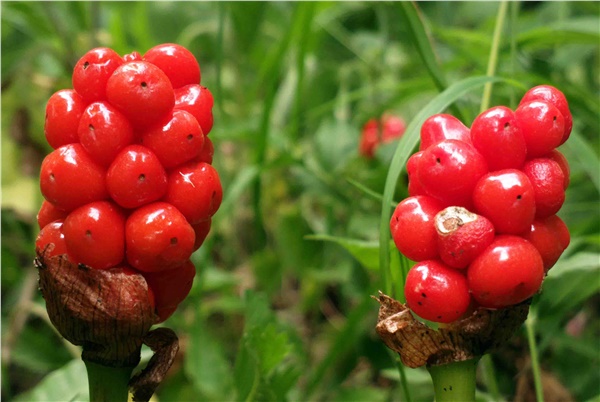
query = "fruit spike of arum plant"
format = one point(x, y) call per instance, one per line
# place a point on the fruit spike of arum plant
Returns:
point(130, 192)
point(480, 222)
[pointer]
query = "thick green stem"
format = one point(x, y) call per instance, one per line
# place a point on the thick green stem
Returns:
point(108, 384)
point(454, 381)
point(535, 363)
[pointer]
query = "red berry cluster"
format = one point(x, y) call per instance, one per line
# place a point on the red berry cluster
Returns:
point(382, 131)
point(130, 184)
point(480, 219)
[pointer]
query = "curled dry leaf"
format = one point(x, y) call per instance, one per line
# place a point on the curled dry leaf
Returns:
point(469, 338)
point(107, 312)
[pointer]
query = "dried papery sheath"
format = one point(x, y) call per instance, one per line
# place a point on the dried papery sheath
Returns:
point(470, 338)
point(107, 312)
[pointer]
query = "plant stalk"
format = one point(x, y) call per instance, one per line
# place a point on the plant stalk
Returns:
point(493, 60)
point(108, 384)
point(535, 363)
point(454, 381)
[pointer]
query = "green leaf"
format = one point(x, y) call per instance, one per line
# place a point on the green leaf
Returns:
point(69, 383)
point(576, 30)
point(586, 156)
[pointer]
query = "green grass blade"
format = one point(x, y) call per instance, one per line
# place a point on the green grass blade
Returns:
point(587, 157)
point(403, 152)
point(493, 59)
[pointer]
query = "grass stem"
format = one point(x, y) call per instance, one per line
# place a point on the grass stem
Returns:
point(493, 60)
point(535, 364)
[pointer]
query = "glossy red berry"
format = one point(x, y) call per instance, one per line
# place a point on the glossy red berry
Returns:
point(414, 185)
point(158, 237)
point(92, 71)
point(136, 177)
point(449, 170)
point(197, 100)
point(70, 178)
point(498, 137)
point(178, 63)
point(506, 198)
point(142, 92)
point(559, 227)
point(441, 127)
point(104, 131)
point(63, 111)
point(412, 227)
point(207, 152)
point(546, 241)
point(195, 190)
point(552, 95)
point(49, 213)
point(176, 140)
point(462, 236)
point(542, 125)
point(508, 272)
point(369, 139)
point(548, 180)
point(559, 158)
point(133, 56)
point(95, 234)
point(51, 240)
point(201, 230)
point(436, 292)
point(170, 287)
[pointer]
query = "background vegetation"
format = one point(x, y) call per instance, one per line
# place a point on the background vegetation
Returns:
point(281, 308)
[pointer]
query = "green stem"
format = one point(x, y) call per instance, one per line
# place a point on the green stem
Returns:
point(454, 381)
point(493, 60)
point(535, 364)
point(108, 384)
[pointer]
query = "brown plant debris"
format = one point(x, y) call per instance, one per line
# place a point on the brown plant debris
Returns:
point(107, 312)
point(165, 345)
point(469, 338)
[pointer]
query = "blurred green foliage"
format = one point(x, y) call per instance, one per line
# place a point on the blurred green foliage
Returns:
point(281, 307)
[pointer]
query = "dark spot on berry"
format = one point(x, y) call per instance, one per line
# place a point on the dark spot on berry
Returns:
point(554, 118)
point(91, 127)
point(173, 240)
point(506, 125)
point(190, 137)
point(86, 65)
point(142, 177)
point(438, 160)
point(214, 194)
point(419, 303)
point(143, 84)
point(519, 197)
point(439, 316)
point(88, 233)
point(424, 295)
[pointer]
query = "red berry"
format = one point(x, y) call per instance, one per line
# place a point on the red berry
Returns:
point(63, 111)
point(449, 170)
point(133, 56)
point(201, 229)
point(136, 177)
point(548, 181)
point(51, 240)
point(104, 131)
point(462, 236)
point(95, 234)
point(506, 198)
point(158, 237)
point(142, 92)
point(49, 213)
point(498, 137)
point(197, 100)
point(178, 63)
point(559, 158)
point(560, 229)
point(546, 241)
point(441, 127)
point(195, 190)
point(414, 185)
point(508, 272)
point(393, 127)
point(412, 227)
point(171, 287)
point(552, 95)
point(70, 178)
point(542, 125)
point(436, 292)
point(369, 139)
point(178, 139)
point(92, 71)
point(207, 152)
